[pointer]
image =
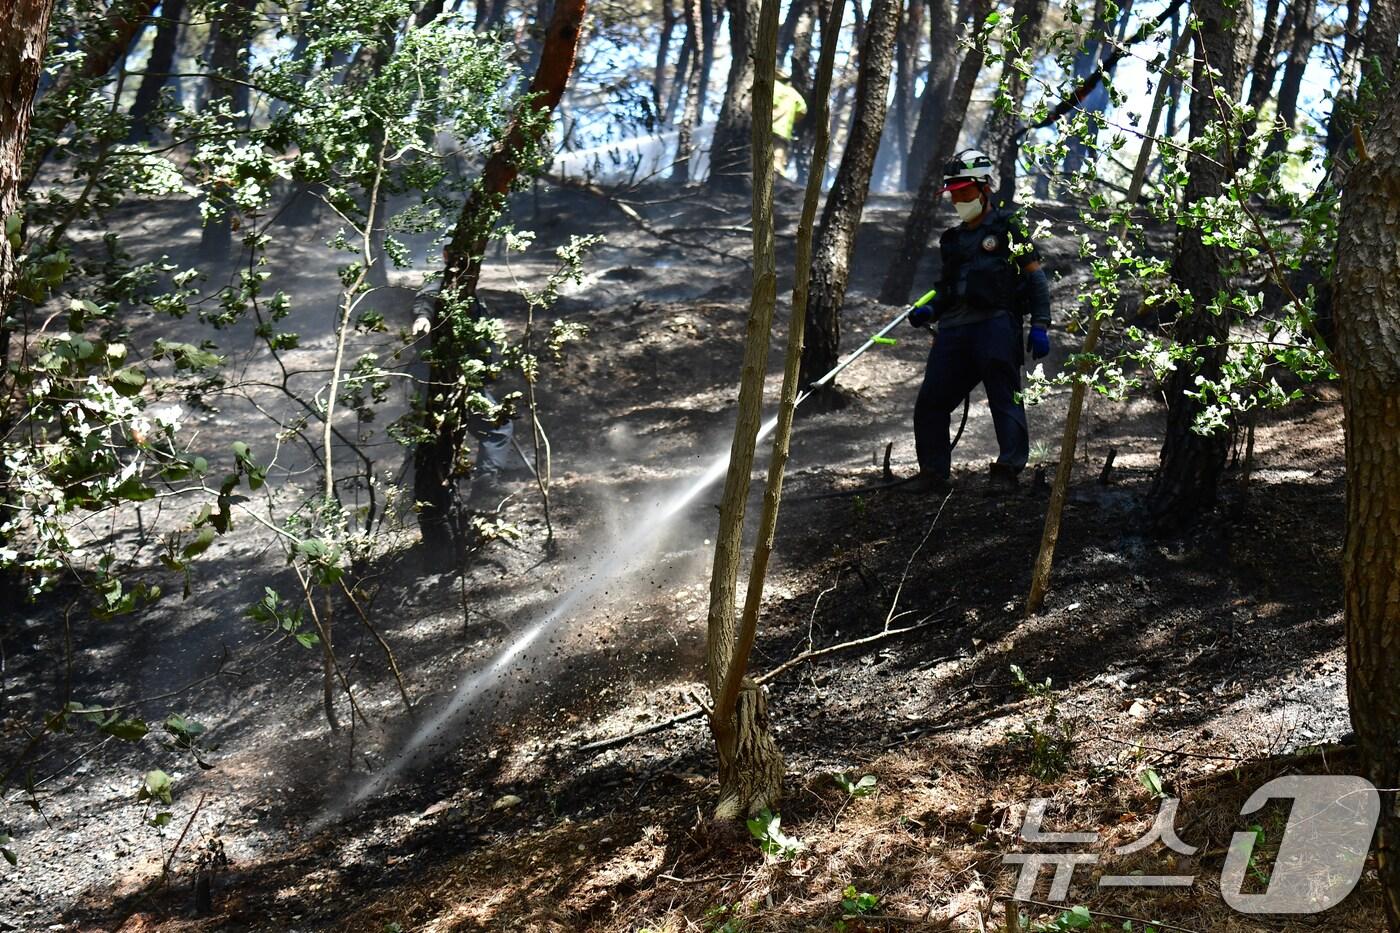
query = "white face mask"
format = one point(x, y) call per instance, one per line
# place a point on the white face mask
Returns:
point(968, 210)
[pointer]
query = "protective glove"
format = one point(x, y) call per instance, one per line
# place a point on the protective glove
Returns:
point(921, 316)
point(1038, 343)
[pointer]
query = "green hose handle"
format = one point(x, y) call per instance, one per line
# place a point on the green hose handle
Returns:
point(926, 298)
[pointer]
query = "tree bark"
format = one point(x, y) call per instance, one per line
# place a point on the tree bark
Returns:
point(1191, 463)
point(942, 65)
point(439, 463)
point(684, 66)
point(831, 262)
point(1368, 359)
point(802, 82)
point(919, 227)
point(24, 30)
point(750, 765)
point(729, 151)
point(999, 138)
point(709, 26)
point(158, 65)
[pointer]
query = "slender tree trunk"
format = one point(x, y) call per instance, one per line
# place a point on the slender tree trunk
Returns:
point(160, 63)
point(729, 152)
point(1175, 86)
point(684, 66)
point(1368, 359)
point(802, 82)
point(1304, 34)
point(709, 27)
point(750, 765)
point(999, 137)
point(1191, 463)
point(1262, 72)
point(1337, 121)
point(892, 159)
point(663, 52)
point(690, 116)
point(439, 463)
point(831, 261)
point(942, 65)
point(899, 280)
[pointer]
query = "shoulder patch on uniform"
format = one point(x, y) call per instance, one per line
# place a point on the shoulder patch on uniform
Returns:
point(990, 243)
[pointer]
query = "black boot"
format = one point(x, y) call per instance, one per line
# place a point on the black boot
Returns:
point(927, 484)
point(1001, 480)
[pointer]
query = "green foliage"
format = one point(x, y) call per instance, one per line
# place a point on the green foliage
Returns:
point(767, 829)
point(861, 788)
point(855, 903)
point(1049, 738)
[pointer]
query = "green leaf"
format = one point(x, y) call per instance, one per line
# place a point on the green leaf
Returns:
point(993, 18)
point(1152, 781)
point(128, 730)
point(155, 786)
point(200, 544)
point(160, 820)
point(128, 380)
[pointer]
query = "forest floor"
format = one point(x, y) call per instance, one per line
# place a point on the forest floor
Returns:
point(1207, 664)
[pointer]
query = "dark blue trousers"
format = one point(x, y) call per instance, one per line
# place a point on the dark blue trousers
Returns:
point(962, 356)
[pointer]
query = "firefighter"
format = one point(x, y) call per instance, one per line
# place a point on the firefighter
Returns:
point(990, 280)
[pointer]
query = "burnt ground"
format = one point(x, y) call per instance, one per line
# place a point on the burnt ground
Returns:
point(1215, 660)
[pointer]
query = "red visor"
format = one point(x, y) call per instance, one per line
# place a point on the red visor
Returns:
point(956, 185)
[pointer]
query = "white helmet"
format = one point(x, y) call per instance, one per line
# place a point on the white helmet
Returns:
point(967, 167)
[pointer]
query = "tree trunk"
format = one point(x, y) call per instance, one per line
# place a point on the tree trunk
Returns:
point(1304, 34)
point(1191, 463)
point(158, 65)
point(942, 65)
point(663, 52)
point(24, 33)
point(802, 82)
point(1368, 359)
point(709, 26)
point(919, 227)
point(1337, 121)
point(999, 137)
point(729, 152)
point(690, 116)
point(439, 463)
point(836, 238)
point(1262, 72)
point(893, 155)
point(684, 66)
point(750, 765)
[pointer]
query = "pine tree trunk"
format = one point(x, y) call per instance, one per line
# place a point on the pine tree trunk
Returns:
point(750, 765)
point(892, 159)
point(999, 135)
point(1191, 463)
point(440, 463)
point(729, 151)
point(802, 82)
point(684, 66)
point(942, 66)
point(1368, 358)
point(709, 27)
point(831, 259)
point(158, 65)
point(899, 280)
